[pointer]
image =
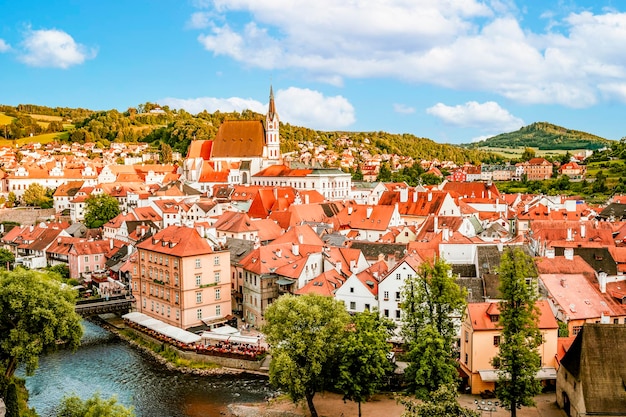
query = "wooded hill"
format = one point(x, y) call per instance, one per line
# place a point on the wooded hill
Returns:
point(544, 136)
point(177, 128)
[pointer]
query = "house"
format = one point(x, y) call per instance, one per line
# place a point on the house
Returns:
point(480, 341)
point(367, 222)
point(590, 380)
point(360, 291)
point(391, 285)
point(181, 280)
point(573, 171)
point(537, 169)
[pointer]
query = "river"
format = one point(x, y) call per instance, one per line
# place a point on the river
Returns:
point(107, 365)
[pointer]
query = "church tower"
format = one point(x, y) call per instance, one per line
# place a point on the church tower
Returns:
point(272, 137)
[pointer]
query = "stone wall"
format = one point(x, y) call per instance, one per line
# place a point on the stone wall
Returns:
point(27, 216)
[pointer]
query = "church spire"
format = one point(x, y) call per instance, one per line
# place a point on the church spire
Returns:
point(272, 109)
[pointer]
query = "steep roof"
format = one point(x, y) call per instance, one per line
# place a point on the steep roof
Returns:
point(177, 241)
point(480, 314)
point(239, 139)
point(597, 361)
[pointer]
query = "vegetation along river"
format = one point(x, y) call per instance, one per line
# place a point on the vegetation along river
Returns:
point(107, 365)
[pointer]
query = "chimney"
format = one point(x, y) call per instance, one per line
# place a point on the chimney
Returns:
point(300, 239)
point(338, 266)
point(583, 230)
point(391, 261)
point(568, 253)
point(369, 211)
point(381, 257)
point(110, 243)
point(436, 224)
point(353, 266)
point(569, 234)
point(446, 234)
point(404, 195)
point(414, 195)
point(375, 275)
point(602, 278)
point(279, 253)
point(489, 194)
point(350, 210)
point(550, 253)
point(306, 199)
point(295, 249)
point(430, 196)
point(526, 208)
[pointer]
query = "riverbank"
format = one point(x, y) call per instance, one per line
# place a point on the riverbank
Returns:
point(115, 326)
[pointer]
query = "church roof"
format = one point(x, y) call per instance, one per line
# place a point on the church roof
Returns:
point(239, 139)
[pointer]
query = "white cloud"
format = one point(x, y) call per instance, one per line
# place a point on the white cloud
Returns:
point(212, 104)
point(456, 44)
point(199, 20)
point(300, 107)
point(4, 47)
point(53, 48)
point(304, 107)
point(403, 108)
point(488, 116)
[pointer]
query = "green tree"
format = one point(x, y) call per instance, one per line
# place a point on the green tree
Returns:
point(95, 406)
point(11, 401)
point(6, 258)
point(518, 360)
point(99, 209)
point(166, 153)
point(36, 313)
point(442, 403)
point(384, 173)
point(11, 199)
point(305, 334)
point(364, 362)
point(431, 300)
point(528, 154)
point(35, 195)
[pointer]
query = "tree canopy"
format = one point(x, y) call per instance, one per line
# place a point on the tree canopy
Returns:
point(305, 334)
point(99, 209)
point(364, 362)
point(95, 406)
point(431, 300)
point(518, 360)
point(442, 403)
point(37, 195)
point(36, 313)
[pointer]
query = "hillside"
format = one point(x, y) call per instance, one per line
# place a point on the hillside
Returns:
point(177, 128)
point(544, 136)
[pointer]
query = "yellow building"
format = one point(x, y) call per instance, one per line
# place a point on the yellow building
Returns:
point(480, 341)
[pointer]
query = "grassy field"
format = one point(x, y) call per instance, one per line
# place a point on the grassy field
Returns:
point(43, 139)
point(5, 120)
point(46, 118)
point(516, 153)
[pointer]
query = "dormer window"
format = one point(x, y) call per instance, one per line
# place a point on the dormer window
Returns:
point(494, 318)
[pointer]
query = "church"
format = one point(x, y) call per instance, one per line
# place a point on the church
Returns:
point(240, 149)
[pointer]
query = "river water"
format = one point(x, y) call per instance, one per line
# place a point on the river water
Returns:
point(106, 365)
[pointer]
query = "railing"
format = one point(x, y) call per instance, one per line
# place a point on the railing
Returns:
point(114, 304)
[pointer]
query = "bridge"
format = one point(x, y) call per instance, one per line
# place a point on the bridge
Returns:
point(117, 304)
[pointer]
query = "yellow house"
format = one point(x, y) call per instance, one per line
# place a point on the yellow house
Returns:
point(480, 341)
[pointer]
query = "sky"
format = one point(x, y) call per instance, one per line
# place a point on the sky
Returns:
point(454, 71)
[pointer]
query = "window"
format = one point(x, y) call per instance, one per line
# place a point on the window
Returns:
point(198, 263)
point(86, 268)
point(86, 258)
point(199, 297)
point(466, 336)
point(496, 340)
point(216, 260)
point(466, 359)
point(152, 305)
point(386, 295)
point(397, 295)
point(217, 294)
point(143, 256)
point(199, 313)
point(217, 276)
point(397, 314)
point(96, 258)
point(352, 305)
point(198, 280)
point(168, 311)
point(218, 310)
point(177, 315)
point(386, 313)
point(367, 307)
point(351, 289)
point(494, 318)
point(398, 276)
point(175, 263)
point(176, 279)
point(150, 257)
point(176, 298)
point(576, 330)
point(144, 303)
point(167, 260)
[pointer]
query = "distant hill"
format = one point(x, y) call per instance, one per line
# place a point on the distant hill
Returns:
point(177, 128)
point(544, 136)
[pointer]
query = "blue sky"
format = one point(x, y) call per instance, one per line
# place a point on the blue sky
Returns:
point(450, 70)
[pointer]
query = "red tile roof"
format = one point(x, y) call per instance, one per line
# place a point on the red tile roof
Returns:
point(178, 241)
point(480, 318)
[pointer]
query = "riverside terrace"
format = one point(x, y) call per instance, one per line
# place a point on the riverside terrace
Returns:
point(190, 342)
